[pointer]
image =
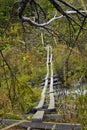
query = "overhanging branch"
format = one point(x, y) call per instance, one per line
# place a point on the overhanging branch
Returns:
point(63, 13)
point(31, 22)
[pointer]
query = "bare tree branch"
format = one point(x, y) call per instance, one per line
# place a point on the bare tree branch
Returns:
point(67, 4)
point(31, 22)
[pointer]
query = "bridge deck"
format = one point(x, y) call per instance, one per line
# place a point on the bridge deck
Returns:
point(38, 116)
point(47, 105)
point(43, 125)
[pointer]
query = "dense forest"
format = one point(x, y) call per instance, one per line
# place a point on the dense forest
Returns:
point(27, 27)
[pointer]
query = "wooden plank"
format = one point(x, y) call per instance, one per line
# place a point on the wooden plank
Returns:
point(41, 103)
point(52, 103)
point(54, 77)
point(44, 125)
point(29, 128)
point(54, 84)
point(38, 116)
point(51, 106)
point(60, 126)
point(13, 125)
point(42, 100)
point(54, 80)
point(55, 116)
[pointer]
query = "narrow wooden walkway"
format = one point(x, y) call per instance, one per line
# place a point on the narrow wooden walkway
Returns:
point(42, 100)
point(51, 106)
point(46, 107)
